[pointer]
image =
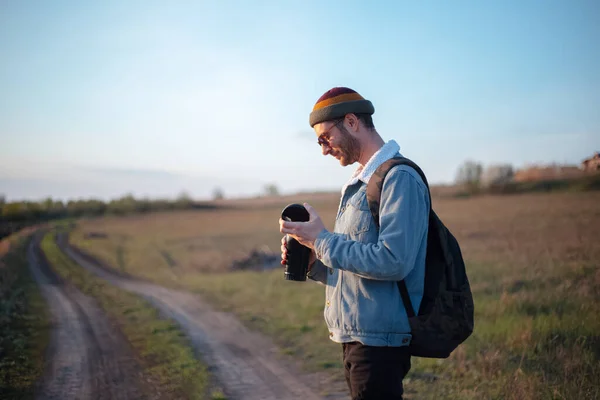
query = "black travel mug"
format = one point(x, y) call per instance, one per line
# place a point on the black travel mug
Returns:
point(297, 255)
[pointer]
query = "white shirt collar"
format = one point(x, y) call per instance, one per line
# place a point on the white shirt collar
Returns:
point(364, 173)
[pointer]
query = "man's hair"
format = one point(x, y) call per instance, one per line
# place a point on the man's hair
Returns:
point(367, 120)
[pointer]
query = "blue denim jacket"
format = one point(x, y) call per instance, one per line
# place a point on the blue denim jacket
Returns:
point(360, 264)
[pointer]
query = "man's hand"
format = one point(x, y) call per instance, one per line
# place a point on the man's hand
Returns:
point(312, 258)
point(304, 232)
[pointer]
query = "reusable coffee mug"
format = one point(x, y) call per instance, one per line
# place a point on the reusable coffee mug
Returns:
point(298, 255)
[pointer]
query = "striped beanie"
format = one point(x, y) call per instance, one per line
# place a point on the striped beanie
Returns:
point(338, 102)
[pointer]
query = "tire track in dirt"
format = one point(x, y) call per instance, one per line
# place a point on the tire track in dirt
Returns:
point(88, 358)
point(245, 363)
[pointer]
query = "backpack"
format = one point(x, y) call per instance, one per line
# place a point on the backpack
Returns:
point(445, 317)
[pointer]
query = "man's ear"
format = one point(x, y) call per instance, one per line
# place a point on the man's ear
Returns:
point(353, 122)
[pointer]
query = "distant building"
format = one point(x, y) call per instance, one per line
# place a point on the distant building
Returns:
point(591, 164)
point(547, 173)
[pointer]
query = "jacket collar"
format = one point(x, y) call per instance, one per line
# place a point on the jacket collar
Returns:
point(364, 173)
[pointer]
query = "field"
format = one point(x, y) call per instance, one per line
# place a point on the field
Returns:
point(532, 262)
point(166, 358)
point(24, 321)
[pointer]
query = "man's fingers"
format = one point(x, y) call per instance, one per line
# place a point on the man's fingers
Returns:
point(311, 211)
point(287, 226)
point(283, 251)
point(289, 229)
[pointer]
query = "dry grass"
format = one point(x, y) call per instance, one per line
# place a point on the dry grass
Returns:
point(532, 261)
point(527, 230)
point(174, 244)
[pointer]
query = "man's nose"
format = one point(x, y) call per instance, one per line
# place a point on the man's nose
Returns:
point(325, 149)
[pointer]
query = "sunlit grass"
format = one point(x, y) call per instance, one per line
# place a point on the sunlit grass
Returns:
point(532, 262)
point(161, 345)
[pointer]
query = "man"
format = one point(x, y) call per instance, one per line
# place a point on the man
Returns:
point(360, 264)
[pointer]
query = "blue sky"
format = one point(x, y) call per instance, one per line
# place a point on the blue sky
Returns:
point(100, 99)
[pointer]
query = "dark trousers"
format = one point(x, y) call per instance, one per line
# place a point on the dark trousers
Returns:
point(375, 372)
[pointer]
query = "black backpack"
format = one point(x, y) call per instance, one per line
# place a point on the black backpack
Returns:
point(445, 317)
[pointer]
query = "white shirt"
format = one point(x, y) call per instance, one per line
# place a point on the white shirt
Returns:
point(364, 173)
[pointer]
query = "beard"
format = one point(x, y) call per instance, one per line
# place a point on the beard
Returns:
point(349, 148)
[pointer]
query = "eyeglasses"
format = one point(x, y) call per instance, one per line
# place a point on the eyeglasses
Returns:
point(324, 137)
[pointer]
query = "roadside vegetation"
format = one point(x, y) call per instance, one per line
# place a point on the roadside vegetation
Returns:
point(162, 348)
point(532, 262)
point(586, 183)
point(472, 180)
point(16, 215)
point(24, 322)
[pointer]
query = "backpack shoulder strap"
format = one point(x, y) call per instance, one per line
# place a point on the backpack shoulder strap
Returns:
point(374, 188)
point(376, 183)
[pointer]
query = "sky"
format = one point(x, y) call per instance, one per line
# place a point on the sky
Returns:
point(156, 98)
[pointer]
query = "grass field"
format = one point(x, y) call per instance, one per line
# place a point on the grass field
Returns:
point(532, 262)
point(159, 343)
point(24, 322)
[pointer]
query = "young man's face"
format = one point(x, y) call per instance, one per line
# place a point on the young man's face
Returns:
point(337, 141)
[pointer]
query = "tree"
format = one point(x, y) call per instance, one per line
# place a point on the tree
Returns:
point(271, 190)
point(123, 205)
point(15, 211)
point(218, 194)
point(494, 175)
point(184, 200)
point(469, 175)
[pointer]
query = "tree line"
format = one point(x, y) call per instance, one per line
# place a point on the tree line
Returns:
point(15, 215)
point(474, 177)
point(49, 208)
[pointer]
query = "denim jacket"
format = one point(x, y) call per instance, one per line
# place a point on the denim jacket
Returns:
point(360, 264)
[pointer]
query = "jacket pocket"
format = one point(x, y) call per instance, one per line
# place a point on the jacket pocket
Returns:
point(359, 214)
point(332, 300)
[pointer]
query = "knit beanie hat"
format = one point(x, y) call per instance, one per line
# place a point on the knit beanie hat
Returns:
point(337, 102)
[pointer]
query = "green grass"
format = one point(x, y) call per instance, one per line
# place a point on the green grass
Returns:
point(162, 347)
point(24, 324)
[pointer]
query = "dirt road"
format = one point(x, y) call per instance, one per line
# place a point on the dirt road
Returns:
point(245, 363)
point(88, 357)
